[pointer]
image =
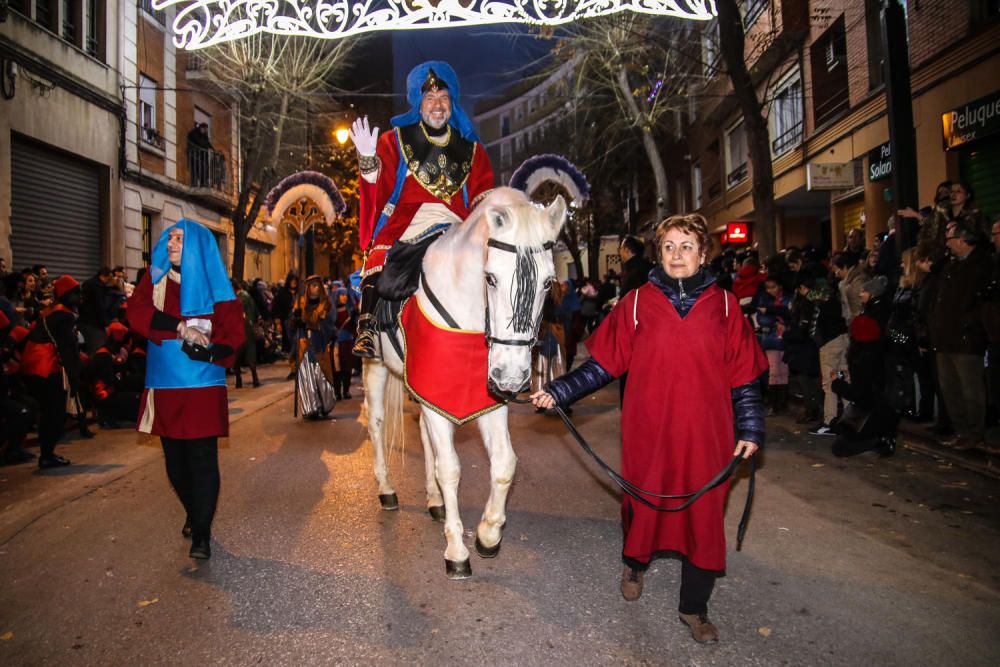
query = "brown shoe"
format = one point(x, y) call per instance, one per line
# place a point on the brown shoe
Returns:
point(631, 584)
point(701, 628)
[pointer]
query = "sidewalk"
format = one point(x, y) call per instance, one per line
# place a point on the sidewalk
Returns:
point(27, 493)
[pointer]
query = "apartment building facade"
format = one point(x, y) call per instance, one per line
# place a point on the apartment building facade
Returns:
point(60, 121)
point(97, 153)
point(820, 71)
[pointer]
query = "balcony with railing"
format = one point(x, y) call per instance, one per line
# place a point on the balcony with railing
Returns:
point(737, 175)
point(787, 139)
point(207, 168)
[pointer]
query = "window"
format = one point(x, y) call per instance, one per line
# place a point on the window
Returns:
point(519, 113)
point(786, 115)
point(505, 154)
point(94, 36)
point(543, 96)
point(828, 59)
point(519, 143)
point(531, 105)
point(710, 47)
point(147, 112)
point(696, 185)
point(751, 10)
point(504, 125)
point(202, 116)
point(147, 237)
point(157, 15)
point(736, 155)
point(20, 6)
point(531, 137)
point(70, 20)
point(876, 49)
point(45, 13)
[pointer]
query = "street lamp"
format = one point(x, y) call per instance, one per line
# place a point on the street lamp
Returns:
point(342, 134)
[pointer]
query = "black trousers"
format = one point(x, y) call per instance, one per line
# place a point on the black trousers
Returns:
point(193, 469)
point(696, 585)
point(15, 422)
point(51, 398)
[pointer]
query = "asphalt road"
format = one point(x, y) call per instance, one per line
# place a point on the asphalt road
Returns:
point(860, 562)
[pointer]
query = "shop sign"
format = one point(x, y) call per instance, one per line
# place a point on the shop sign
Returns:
point(737, 232)
point(831, 176)
point(880, 162)
point(973, 121)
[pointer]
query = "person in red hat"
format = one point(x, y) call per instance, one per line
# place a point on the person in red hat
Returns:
point(51, 349)
point(115, 395)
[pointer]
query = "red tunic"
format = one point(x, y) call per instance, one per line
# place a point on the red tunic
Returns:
point(374, 197)
point(199, 412)
point(677, 413)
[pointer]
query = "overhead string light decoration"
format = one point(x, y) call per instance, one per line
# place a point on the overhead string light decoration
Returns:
point(201, 23)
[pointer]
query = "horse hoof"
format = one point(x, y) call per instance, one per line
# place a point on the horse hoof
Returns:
point(485, 551)
point(437, 513)
point(457, 569)
point(389, 501)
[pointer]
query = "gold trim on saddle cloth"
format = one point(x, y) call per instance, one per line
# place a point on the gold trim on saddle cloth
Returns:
point(406, 381)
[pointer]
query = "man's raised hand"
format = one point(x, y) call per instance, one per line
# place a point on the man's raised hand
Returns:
point(364, 138)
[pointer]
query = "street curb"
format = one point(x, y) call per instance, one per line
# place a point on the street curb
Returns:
point(9, 533)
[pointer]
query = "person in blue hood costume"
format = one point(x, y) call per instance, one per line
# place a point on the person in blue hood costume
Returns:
point(186, 308)
point(417, 180)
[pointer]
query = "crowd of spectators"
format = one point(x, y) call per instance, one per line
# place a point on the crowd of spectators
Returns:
point(103, 362)
point(867, 336)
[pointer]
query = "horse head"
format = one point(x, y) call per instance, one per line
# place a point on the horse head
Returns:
point(519, 270)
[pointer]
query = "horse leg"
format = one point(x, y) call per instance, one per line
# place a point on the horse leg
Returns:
point(375, 376)
point(435, 503)
point(503, 462)
point(441, 433)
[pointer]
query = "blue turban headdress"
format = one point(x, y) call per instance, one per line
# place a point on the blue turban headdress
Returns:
point(415, 80)
point(204, 281)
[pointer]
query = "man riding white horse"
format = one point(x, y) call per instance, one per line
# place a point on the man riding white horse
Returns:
point(416, 181)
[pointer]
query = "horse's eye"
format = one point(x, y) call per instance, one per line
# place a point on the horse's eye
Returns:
point(491, 280)
point(548, 284)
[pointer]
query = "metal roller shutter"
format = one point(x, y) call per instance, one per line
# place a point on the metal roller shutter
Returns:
point(852, 214)
point(980, 167)
point(55, 211)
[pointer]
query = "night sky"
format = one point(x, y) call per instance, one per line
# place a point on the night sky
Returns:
point(488, 59)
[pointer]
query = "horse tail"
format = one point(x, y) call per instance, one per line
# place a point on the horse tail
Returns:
point(394, 429)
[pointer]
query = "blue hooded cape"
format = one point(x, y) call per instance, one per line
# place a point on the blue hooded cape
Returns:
point(204, 279)
point(416, 78)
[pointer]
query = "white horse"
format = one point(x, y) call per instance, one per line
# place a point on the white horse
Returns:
point(493, 268)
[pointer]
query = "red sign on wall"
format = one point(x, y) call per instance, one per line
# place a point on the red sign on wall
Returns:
point(737, 232)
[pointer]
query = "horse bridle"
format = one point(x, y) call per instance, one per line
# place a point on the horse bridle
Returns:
point(531, 250)
point(490, 339)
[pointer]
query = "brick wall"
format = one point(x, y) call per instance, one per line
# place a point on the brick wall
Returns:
point(222, 119)
point(934, 24)
point(150, 63)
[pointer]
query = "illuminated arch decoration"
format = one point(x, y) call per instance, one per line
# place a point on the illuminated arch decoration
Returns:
point(201, 23)
point(304, 199)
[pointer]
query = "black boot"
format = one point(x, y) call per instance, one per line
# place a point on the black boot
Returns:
point(364, 346)
point(253, 374)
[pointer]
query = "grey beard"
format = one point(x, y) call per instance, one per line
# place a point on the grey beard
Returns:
point(437, 126)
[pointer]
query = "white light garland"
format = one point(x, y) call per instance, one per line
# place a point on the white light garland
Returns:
point(201, 23)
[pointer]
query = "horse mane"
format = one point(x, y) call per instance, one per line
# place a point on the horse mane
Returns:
point(520, 232)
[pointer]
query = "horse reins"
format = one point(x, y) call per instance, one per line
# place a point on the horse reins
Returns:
point(637, 493)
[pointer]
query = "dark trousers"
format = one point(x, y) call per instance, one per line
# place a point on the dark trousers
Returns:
point(964, 391)
point(696, 585)
point(51, 398)
point(193, 469)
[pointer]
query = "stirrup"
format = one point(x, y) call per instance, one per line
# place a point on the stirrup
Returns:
point(364, 346)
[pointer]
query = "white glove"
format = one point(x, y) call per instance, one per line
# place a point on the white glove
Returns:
point(363, 138)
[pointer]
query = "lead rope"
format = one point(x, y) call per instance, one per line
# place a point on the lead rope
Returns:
point(637, 493)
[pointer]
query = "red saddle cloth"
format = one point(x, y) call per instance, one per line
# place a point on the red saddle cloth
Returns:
point(445, 368)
